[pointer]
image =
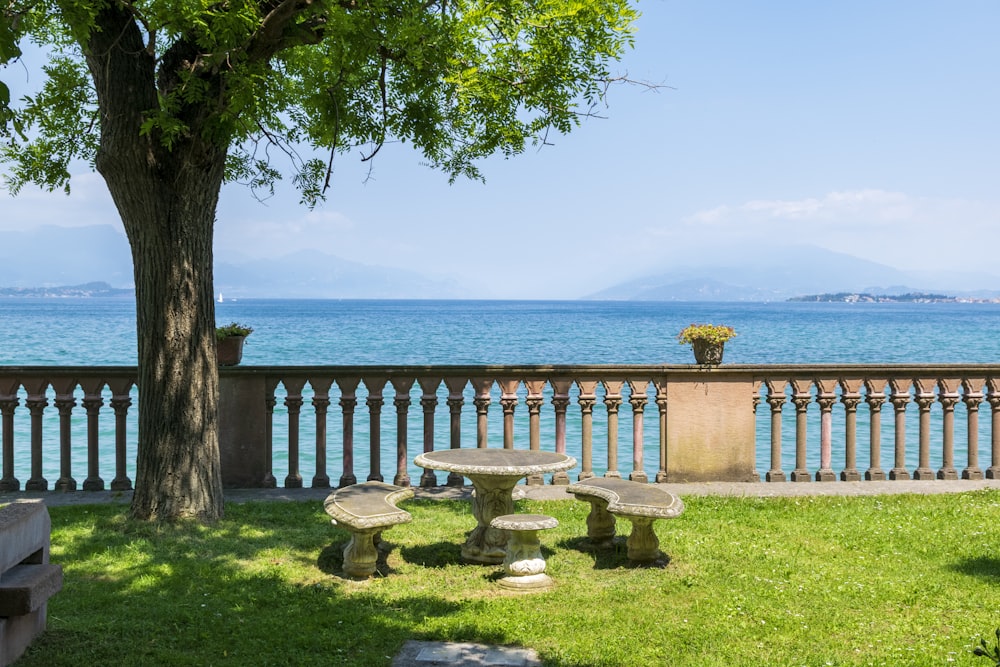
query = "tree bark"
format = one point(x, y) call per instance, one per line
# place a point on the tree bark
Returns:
point(167, 200)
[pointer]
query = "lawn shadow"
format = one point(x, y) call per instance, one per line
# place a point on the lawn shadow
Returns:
point(983, 567)
point(436, 555)
point(613, 556)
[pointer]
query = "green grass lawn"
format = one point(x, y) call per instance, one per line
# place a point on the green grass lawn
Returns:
point(884, 580)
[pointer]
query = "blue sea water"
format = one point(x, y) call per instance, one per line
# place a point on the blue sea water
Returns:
point(293, 332)
point(346, 332)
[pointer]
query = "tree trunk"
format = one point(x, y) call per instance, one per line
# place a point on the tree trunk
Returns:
point(167, 198)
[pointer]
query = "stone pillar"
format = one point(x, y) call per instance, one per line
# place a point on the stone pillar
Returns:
point(587, 399)
point(925, 399)
point(560, 403)
point(612, 402)
point(534, 400)
point(402, 403)
point(850, 397)
point(900, 398)
point(321, 406)
point(801, 398)
point(348, 403)
point(508, 403)
point(948, 397)
point(825, 399)
point(638, 399)
point(456, 399)
point(428, 401)
point(776, 399)
point(972, 396)
point(242, 431)
point(716, 440)
point(874, 397)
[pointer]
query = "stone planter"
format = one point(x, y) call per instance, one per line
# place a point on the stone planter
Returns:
point(230, 350)
point(707, 353)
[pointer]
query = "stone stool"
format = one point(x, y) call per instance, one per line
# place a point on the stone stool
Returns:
point(523, 563)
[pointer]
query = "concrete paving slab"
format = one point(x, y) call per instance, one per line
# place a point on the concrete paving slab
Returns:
point(462, 654)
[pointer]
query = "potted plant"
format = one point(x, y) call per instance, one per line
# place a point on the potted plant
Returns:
point(706, 340)
point(229, 342)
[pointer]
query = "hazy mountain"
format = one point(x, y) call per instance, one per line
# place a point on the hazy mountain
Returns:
point(50, 256)
point(314, 274)
point(779, 273)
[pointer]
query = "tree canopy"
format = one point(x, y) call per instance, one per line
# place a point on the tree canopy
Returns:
point(457, 79)
point(167, 99)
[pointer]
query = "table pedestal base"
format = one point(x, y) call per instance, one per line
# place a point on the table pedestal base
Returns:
point(493, 497)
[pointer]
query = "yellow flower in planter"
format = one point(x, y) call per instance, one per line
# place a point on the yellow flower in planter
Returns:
point(707, 341)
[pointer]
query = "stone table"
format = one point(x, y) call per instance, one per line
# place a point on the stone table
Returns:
point(494, 474)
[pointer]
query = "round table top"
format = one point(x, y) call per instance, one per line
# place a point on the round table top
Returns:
point(492, 461)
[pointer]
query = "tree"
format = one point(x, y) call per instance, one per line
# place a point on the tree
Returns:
point(168, 99)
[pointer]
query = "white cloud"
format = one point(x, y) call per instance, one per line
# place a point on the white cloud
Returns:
point(893, 228)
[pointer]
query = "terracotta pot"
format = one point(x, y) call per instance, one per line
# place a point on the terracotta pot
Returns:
point(707, 353)
point(230, 350)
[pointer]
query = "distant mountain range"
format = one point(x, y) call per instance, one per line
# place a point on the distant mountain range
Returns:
point(51, 256)
point(781, 273)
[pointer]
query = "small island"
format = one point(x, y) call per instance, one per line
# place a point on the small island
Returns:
point(87, 290)
point(863, 297)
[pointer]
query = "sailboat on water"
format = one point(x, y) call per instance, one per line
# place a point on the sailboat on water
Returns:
point(220, 297)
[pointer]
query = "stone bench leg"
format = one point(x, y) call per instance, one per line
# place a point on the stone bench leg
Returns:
point(524, 563)
point(600, 524)
point(643, 545)
point(361, 553)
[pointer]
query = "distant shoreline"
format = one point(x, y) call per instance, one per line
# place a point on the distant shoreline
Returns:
point(862, 297)
point(87, 290)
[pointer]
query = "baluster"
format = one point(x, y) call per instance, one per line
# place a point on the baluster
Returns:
point(348, 402)
point(638, 399)
point(776, 399)
point(993, 396)
point(874, 397)
point(534, 401)
point(508, 403)
point(899, 398)
point(8, 404)
point(948, 397)
point(269, 481)
point(587, 399)
point(375, 403)
point(293, 403)
point(482, 400)
point(321, 404)
point(972, 396)
point(120, 403)
point(36, 403)
point(612, 403)
point(402, 403)
point(661, 404)
point(825, 398)
point(65, 402)
point(456, 399)
point(801, 398)
point(924, 399)
point(560, 404)
point(850, 397)
point(92, 402)
point(429, 401)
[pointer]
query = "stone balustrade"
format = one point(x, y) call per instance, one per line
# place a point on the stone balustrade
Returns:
point(331, 425)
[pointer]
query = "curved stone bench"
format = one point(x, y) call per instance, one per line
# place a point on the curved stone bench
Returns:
point(523, 562)
point(638, 502)
point(365, 510)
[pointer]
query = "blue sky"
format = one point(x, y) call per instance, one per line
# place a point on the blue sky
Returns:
point(868, 128)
